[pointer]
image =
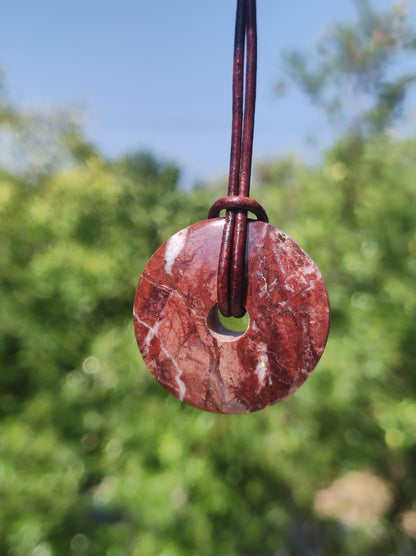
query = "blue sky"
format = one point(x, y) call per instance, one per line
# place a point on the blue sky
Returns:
point(156, 75)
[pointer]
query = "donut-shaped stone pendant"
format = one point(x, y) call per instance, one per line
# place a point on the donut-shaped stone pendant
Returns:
point(189, 351)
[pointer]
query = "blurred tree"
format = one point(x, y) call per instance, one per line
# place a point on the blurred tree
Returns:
point(7, 114)
point(358, 72)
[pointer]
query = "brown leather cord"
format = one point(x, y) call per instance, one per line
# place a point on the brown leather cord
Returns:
point(240, 229)
point(226, 253)
point(231, 266)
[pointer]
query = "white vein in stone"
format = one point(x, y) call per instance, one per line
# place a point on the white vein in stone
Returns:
point(153, 332)
point(179, 381)
point(173, 247)
point(262, 370)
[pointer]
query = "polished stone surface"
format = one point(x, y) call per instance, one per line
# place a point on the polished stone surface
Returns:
point(184, 344)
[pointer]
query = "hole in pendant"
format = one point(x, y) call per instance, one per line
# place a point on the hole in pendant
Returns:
point(226, 328)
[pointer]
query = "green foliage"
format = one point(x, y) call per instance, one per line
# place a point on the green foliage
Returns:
point(95, 457)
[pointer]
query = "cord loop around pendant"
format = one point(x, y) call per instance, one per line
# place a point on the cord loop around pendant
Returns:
point(238, 203)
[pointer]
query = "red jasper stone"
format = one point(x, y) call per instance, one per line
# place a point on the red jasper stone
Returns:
point(189, 351)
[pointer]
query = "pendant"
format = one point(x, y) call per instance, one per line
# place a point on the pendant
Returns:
point(194, 356)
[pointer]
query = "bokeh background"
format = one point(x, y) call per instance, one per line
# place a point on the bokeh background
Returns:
point(105, 157)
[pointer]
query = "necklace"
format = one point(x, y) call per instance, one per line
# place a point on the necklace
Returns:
point(229, 266)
